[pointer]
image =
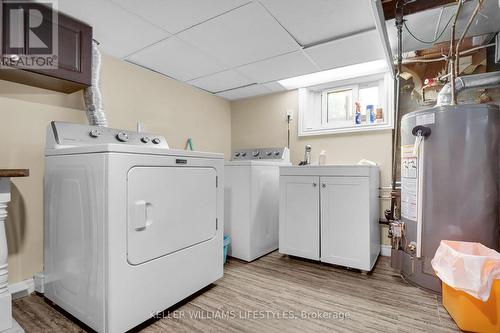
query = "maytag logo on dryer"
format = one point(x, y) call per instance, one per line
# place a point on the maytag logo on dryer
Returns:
point(31, 34)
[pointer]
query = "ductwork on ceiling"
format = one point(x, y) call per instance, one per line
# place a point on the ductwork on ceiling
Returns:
point(92, 95)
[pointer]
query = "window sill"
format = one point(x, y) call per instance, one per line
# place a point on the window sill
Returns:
point(351, 129)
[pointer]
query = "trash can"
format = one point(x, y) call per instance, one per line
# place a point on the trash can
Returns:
point(470, 275)
point(227, 241)
point(472, 314)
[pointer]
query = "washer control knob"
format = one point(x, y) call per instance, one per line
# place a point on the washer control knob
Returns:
point(94, 133)
point(156, 141)
point(268, 153)
point(277, 153)
point(237, 154)
point(256, 153)
point(145, 139)
point(122, 136)
point(243, 154)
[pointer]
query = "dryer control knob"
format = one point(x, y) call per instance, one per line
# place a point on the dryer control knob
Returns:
point(237, 154)
point(94, 133)
point(145, 139)
point(268, 153)
point(156, 141)
point(121, 136)
point(256, 153)
point(243, 154)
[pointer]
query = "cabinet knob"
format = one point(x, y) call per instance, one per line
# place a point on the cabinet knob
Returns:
point(314, 184)
point(323, 185)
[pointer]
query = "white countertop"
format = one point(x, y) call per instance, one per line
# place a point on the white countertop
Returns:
point(330, 170)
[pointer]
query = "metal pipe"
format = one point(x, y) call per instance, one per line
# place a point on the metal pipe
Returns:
point(477, 48)
point(438, 24)
point(453, 55)
point(469, 23)
point(423, 59)
point(399, 21)
point(476, 81)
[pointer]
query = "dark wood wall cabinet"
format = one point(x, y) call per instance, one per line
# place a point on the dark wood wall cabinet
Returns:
point(27, 38)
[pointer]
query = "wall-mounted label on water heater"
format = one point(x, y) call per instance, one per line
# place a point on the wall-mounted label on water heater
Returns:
point(426, 119)
point(409, 182)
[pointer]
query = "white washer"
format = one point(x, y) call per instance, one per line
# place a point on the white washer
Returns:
point(251, 201)
point(131, 227)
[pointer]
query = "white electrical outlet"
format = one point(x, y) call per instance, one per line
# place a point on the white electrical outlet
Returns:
point(289, 114)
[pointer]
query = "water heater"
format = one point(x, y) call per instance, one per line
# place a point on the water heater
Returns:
point(449, 184)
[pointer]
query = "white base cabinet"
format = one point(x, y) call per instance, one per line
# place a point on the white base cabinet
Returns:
point(330, 213)
point(299, 216)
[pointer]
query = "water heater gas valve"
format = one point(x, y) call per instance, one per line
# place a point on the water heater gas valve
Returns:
point(412, 247)
point(396, 233)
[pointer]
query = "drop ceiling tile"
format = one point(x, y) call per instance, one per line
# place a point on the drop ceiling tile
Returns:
point(244, 35)
point(240, 93)
point(221, 81)
point(177, 15)
point(119, 32)
point(274, 86)
point(280, 67)
point(312, 21)
point(346, 51)
point(176, 59)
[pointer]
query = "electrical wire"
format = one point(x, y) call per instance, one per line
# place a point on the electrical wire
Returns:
point(436, 39)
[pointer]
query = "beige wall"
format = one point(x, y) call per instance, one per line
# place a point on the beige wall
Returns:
point(261, 122)
point(131, 94)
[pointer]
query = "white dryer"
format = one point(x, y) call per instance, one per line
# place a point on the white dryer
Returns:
point(251, 208)
point(131, 227)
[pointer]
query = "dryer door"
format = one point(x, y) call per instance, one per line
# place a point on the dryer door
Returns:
point(169, 209)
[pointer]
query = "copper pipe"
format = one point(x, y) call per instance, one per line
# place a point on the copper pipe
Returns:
point(453, 55)
point(443, 58)
point(471, 19)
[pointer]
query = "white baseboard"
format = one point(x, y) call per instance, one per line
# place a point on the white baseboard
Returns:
point(385, 250)
point(22, 289)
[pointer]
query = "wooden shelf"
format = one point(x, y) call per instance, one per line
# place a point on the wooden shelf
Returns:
point(14, 173)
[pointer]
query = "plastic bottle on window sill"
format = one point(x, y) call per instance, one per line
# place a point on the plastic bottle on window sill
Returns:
point(357, 116)
point(370, 114)
point(379, 115)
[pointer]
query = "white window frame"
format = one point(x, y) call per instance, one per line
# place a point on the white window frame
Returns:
point(324, 99)
point(308, 104)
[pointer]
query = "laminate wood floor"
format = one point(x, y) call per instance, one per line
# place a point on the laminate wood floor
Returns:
point(277, 293)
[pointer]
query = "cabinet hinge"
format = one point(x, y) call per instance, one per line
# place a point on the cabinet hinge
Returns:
point(216, 224)
point(216, 181)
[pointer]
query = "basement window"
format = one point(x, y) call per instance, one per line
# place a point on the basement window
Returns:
point(354, 105)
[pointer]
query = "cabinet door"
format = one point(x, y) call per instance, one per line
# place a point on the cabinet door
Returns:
point(169, 209)
point(299, 216)
point(74, 51)
point(345, 221)
point(74, 59)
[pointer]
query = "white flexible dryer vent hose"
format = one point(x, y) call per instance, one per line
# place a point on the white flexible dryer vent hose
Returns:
point(92, 95)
